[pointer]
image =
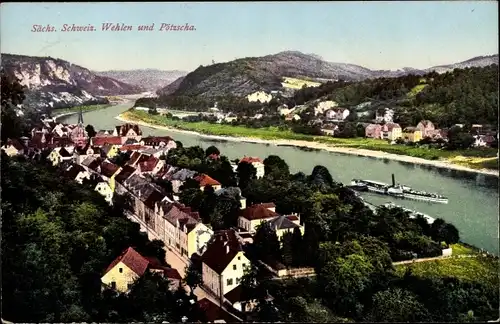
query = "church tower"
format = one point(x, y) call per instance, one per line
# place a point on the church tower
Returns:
point(80, 117)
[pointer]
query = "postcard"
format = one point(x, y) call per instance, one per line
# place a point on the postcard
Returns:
point(249, 161)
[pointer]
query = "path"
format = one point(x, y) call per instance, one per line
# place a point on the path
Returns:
point(436, 258)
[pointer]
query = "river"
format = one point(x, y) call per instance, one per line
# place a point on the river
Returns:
point(473, 197)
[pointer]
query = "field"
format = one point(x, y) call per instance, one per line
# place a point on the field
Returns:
point(478, 269)
point(413, 92)
point(294, 83)
point(476, 162)
point(273, 133)
point(77, 109)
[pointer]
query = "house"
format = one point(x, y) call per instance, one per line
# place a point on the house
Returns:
point(385, 115)
point(205, 180)
point(257, 164)
point(323, 106)
point(151, 166)
point(131, 147)
point(245, 300)
point(373, 131)
point(104, 189)
point(58, 155)
point(77, 172)
point(286, 224)
point(259, 96)
point(223, 263)
point(109, 170)
point(156, 141)
point(131, 265)
point(101, 141)
point(426, 127)
point(180, 228)
point(13, 147)
point(171, 274)
point(412, 134)
point(125, 270)
point(128, 131)
point(178, 177)
point(337, 114)
point(329, 129)
point(125, 172)
point(109, 150)
point(254, 215)
point(483, 140)
point(391, 131)
point(134, 159)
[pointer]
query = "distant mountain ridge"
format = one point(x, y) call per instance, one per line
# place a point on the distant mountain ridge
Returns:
point(57, 83)
point(246, 75)
point(148, 79)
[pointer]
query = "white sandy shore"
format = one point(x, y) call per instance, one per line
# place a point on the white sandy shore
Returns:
point(326, 147)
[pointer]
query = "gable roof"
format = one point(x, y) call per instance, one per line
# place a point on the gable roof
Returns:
point(282, 222)
point(64, 153)
point(15, 143)
point(132, 259)
point(94, 164)
point(125, 173)
point(258, 211)
point(73, 171)
point(108, 169)
point(149, 164)
point(221, 250)
point(205, 180)
point(391, 126)
point(156, 140)
point(122, 130)
point(134, 158)
point(113, 140)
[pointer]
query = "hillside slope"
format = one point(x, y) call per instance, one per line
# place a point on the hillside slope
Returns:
point(148, 79)
point(56, 83)
point(246, 75)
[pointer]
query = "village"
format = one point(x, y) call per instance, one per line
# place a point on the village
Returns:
point(220, 254)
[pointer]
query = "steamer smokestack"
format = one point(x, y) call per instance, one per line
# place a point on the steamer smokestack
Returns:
point(393, 180)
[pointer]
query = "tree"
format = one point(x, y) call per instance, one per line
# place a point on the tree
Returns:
point(90, 131)
point(286, 250)
point(12, 97)
point(442, 231)
point(297, 243)
point(246, 172)
point(212, 150)
point(321, 176)
point(397, 305)
point(266, 242)
point(276, 168)
point(193, 278)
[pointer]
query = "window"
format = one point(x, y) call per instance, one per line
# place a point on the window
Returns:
point(234, 266)
point(230, 282)
point(129, 286)
point(113, 284)
point(121, 270)
point(238, 280)
point(244, 265)
point(239, 258)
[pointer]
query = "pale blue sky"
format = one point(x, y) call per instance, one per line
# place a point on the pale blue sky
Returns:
point(377, 35)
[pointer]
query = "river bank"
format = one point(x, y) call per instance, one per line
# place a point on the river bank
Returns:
point(320, 146)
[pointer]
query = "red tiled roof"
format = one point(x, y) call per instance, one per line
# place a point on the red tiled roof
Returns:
point(108, 169)
point(153, 198)
point(132, 259)
point(134, 158)
point(100, 141)
point(125, 173)
point(95, 163)
point(249, 159)
point(292, 218)
point(258, 211)
point(64, 153)
point(213, 312)
point(153, 140)
point(205, 180)
point(221, 251)
point(149, 164)
point(132, 147)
